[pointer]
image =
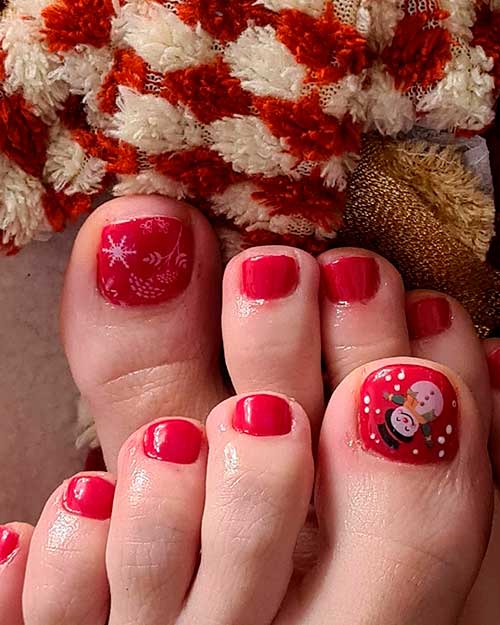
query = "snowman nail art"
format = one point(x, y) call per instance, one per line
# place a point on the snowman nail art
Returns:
point(409, 414)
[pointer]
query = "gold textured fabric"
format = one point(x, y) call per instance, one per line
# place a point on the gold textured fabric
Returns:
point(419, 207)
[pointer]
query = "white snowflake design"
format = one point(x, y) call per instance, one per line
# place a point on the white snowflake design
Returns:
point(118, 252)
point(147, 226)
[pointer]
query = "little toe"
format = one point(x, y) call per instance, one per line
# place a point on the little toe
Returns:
point(271, 327)
point(154, 540)
point(441, 330)
point(259, 484)
point(141, 315)
point(66, 579)
point(403, 497)
point(362, 311)
point(14, 546)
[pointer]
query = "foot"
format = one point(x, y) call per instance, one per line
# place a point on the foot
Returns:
point(416, 559)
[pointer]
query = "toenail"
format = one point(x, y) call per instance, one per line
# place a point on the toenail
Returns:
point(351, 279)
point(409, 413)
point(145, 261)
point(269, 277)
point(89, 496)
point(9, 542)
point(263, 415)
point(494, 366)
point(428, 317)
point(175, 440)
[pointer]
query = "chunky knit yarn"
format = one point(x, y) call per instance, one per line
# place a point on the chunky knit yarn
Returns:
point(253, 110)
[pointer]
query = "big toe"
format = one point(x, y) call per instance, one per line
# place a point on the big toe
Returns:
point(403, 497)
point(141, 316)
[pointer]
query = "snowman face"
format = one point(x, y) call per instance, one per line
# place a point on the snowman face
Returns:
point(429, 398)
point(403, 422)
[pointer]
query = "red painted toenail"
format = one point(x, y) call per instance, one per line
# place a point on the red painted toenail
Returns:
point(351, 279)
point(428, 317)
point(409, 413)
point(494, 365)
point(269, 277)
point(9, 542)
point(89, 496)
point(263, 415)
point(145, 261)
point(175, 440)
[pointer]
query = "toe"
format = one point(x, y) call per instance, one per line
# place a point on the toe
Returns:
point(259, 481)
point(65, 576)
point(14, 546)
point(403, 498)
point(271, 327)
point(141, 315)
point(362, 311)
point(154, 539)
point(441, 330)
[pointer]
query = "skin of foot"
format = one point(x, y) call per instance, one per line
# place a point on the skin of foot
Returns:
point(204, 524)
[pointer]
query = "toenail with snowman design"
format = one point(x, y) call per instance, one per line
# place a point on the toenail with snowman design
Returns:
point(409, 413)
point(145, 261)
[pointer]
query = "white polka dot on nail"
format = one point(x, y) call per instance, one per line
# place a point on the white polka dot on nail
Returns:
point(397, 387)
point(449, 429)
point(454, 404)
point(377, 411)
point(415, 452)
point(366, 399)
point(372, 436)
point(377, 441)
point(441, 453)
point(367, 410)
point(401, 376)
point(388, 378)
point(441, 440)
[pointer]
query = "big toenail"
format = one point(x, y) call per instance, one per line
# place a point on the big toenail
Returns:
point(175, 440)
point(269, 277)
point(428, 317)
point(89, 496)
point(9, 542)
point(262, 415)
point(409, 413)
point(351, 279)
point(494, 366)
point(145, 261)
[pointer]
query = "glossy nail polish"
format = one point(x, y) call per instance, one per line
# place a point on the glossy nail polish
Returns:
point(89, 496)
point(351, 279)
point(494, 366)
point(428, 316)
point(145, 261)
point(262, 415)
point(9, 542)
point(174, 440)
point(409, 413)
point(269, 277)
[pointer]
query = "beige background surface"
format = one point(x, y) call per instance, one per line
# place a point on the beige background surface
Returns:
point(37, 394)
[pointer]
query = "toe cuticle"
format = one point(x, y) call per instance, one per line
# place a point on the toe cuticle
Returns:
point(428, 317)
point(351, 279)
point(145, 261)
point(269, 277)
point(9, 544)
point(409, 413)
point(89, 496)
point(263, 415)
point(173, 440)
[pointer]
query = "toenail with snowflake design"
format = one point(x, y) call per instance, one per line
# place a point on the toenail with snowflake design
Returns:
point(409, 413)
point(144, 261)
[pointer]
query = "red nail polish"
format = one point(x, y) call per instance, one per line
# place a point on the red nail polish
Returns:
point(89, 496)
point(494, 366)
point(351, 279)
point(428, 317)
point(175, 440)
point(263, 415)
point(145, 261)
point(269, 277)
point(9, 542)
point(409, 413)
